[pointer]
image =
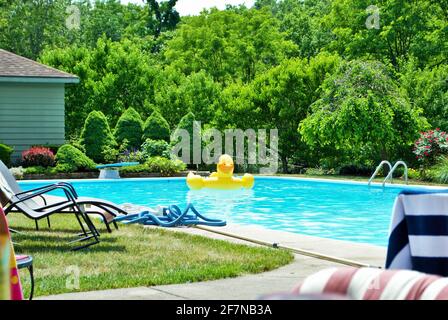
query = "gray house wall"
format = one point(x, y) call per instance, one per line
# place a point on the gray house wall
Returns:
point(31, 114)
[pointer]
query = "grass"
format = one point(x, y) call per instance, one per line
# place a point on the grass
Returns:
point(132, 256)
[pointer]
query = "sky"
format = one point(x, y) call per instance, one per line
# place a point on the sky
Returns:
point(193, 7)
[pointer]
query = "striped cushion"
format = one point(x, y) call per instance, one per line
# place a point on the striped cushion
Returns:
point(419, 232)
point(375, 284)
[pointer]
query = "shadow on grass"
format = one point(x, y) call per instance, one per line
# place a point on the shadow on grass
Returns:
point(33, 243)
point(46, 229)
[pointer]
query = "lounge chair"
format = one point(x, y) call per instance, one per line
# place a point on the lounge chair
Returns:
point(107, 210)
point(24, 203)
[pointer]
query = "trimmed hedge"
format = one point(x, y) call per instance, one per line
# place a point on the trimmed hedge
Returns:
point(129, 127)
point(38, 156)
point(186, 123)
point(71, 159)
point(156, 128)
point(96, 136)
point(5, 154)
point(156, 148)
point(163, 166)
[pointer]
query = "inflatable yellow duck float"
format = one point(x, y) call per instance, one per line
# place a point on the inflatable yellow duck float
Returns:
point(223, 179)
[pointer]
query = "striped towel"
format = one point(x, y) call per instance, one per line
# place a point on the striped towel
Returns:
point(419, 233)
point(374, 284)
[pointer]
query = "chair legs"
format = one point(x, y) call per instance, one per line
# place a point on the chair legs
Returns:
point(87, 235)
point(31, 271)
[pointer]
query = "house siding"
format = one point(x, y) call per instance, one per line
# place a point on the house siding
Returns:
point(31, 114)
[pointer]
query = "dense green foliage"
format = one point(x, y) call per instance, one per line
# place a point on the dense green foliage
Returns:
point(189, 125)
point(71, 159)
point(96, 136)
point(359, 81)
point(156, 128)
point(114, 76)
point(165, 166)
point(5, 154)
point(157, 165)
point(129, 127)
point(156, 148)
point(362, 115)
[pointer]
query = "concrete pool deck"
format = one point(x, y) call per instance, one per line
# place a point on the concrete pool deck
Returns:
point(247, 287)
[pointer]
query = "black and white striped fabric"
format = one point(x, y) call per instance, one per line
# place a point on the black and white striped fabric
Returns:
point(419, 232)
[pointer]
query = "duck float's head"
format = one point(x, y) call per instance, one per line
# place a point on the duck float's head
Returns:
point(225, 166)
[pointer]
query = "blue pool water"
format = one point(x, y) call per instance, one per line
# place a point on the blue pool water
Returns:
point(336, 210)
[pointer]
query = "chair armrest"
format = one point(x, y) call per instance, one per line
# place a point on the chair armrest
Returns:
point(70, 186)
point(65, 184)
point(43, 190)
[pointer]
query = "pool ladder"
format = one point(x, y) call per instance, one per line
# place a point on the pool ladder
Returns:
point(391, 171)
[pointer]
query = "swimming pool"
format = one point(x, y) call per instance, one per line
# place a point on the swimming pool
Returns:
point(330, 209)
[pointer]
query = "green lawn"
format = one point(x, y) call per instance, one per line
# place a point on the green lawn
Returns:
point(133, 256)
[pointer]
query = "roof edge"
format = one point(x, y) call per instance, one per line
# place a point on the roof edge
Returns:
point(15, 79)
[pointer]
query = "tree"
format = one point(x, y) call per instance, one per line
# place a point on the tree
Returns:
point(406, 29)
point(428, 90)
point(113, 77)
point(236, 43)
point(302, 22)
point(280, 99)
point(177, 95)
point(129, 127)
point(96, 136)
point(156, 128)
point(29, 26)
point(363, 116)
point(162, 16)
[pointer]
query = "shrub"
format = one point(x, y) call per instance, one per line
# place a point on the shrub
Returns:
point(414, 174)
point(165, 166)
point(355, 170)
point(439, 172)
point(186, 123)
point(110, 155)
point(38, 156)
point(159, 165)
point(156, 148)
point(129, 127)
point(135, 169)
point(319, 172)
point(53, 147)
point(131, 156)
point(96, 136)
point(36, 170)
point(5, 154)
point(431, 145)
point(71, 159)
point(17, 172)
point(156, 128)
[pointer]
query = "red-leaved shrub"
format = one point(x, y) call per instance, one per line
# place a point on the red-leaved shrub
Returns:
point(38, 156)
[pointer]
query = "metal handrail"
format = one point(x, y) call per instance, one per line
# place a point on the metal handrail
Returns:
point(391, 172)
point(378, 170)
